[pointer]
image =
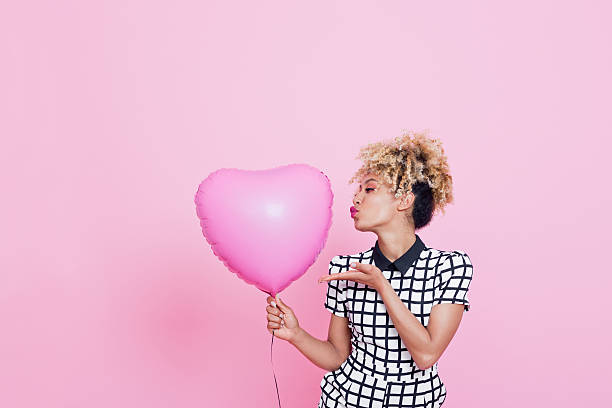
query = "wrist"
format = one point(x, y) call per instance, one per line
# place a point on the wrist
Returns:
point(382, 284)
point(297, 336)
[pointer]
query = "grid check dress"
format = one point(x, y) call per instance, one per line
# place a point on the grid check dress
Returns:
point(380, 371)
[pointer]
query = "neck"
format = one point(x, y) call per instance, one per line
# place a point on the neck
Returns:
point(395, 245)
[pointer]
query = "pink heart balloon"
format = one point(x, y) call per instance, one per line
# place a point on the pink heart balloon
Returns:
point(266, 226)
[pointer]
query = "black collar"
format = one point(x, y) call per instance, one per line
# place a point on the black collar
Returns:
point(402, 263)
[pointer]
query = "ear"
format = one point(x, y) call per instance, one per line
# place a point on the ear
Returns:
point(406, 201)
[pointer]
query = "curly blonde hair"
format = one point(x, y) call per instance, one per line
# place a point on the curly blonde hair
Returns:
point(409, 159)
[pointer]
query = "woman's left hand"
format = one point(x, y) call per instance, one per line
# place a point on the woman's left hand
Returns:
point(367, 274)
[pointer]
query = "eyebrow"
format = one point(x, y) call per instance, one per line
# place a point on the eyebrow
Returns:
point(370, 179)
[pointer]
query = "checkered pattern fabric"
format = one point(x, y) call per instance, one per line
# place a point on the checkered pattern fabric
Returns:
point(380, 371)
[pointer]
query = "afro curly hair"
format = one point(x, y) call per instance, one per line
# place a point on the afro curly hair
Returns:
point(411, 162)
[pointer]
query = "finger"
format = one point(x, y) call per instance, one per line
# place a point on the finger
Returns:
point(274, 318)
point(281, 305)
point(350, 275)
point(363, 267)
point(323, 278)
point(273, 310)
point(269, 299)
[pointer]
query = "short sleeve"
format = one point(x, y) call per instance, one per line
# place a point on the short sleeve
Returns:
point(335, 301)
point(455, 275)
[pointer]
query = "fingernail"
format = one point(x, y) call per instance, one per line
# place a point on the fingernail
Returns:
point(273, 303)
point(353, 264)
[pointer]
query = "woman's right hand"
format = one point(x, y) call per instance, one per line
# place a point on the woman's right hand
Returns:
point(281, 319)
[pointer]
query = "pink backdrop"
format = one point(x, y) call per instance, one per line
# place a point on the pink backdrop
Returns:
point(112, 112)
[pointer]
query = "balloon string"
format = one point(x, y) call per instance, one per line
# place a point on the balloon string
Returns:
point(278, 396)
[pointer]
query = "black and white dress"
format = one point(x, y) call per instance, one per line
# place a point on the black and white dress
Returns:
point(380, 371)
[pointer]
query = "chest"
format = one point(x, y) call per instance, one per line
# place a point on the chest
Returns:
point(368, 313)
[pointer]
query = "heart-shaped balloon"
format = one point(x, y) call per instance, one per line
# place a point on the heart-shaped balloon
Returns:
point(266, 226)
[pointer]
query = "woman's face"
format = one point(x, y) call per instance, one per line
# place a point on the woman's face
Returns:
point(377, 207)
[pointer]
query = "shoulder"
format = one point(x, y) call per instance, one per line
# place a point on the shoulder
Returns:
point(452, 262)
point(439, 257)
point(341, 263)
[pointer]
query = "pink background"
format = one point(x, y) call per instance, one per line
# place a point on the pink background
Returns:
point(112, 112)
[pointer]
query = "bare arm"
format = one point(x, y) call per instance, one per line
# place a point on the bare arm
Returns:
point(329, 354)
point(425, 344)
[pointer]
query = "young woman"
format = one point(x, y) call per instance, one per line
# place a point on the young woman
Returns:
point(396, 306)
